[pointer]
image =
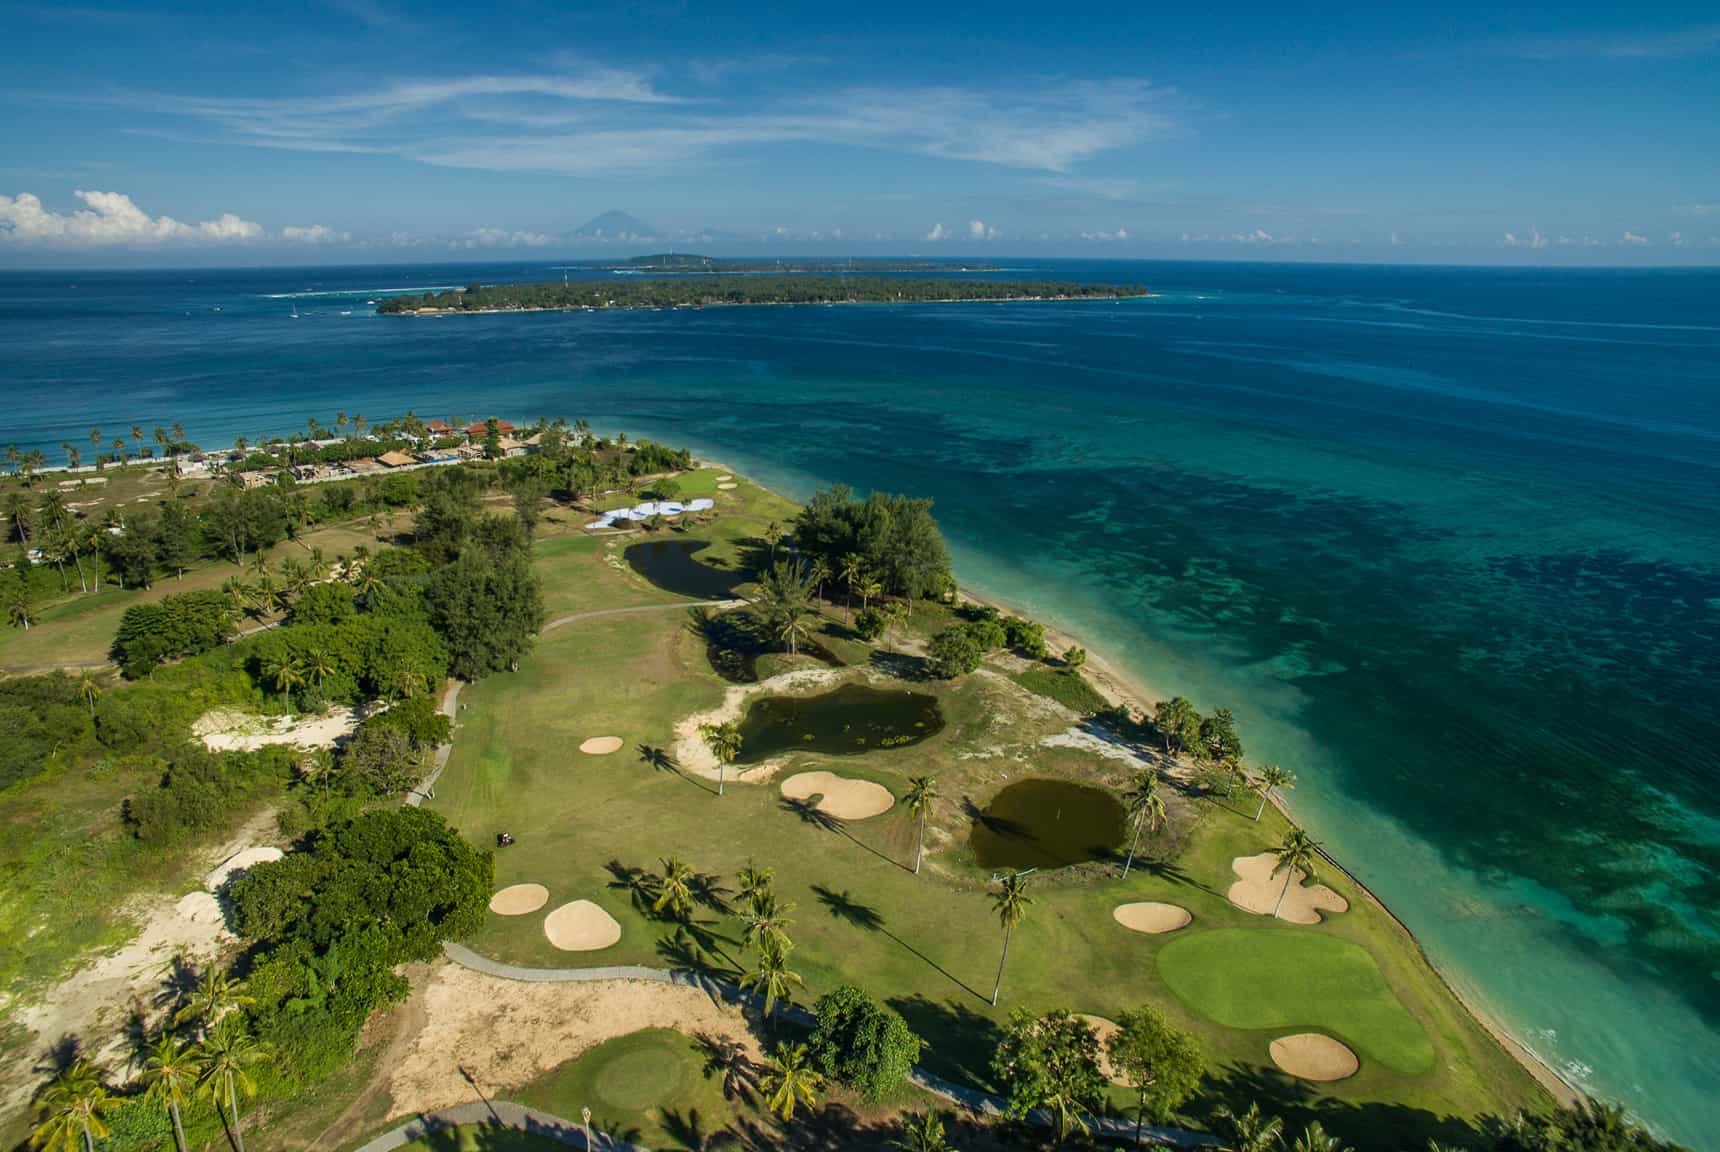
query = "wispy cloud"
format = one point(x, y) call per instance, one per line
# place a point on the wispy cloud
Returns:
point(110, 218)
point(604, 119)
point(1701, 40)
point(314, 234)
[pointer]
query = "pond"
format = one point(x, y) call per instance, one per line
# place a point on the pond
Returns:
point(671, 566)
point(842, 722)
point(1047, 824)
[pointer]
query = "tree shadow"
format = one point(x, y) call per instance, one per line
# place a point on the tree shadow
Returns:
point(662, 761)
point(811, 814)
point(709, 892)
point(1171, 871)
point(959, 1041)
point(996, 825)
point(901, 665)
point(61, 1055)
point(732, 643)
point(637, 883)
point(1367, 1123)
point(869, 919)
point(727, 1062)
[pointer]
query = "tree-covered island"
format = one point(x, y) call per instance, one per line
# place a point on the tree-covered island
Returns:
point(701, 291)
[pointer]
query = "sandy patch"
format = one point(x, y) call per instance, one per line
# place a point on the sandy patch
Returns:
point(227, 730)
point(1256, 890)
point(236, 864)
point(1105, 1030)
point(840, 796)
point(1311, 1056)
point(601, 745)
point(581, 926)
point(729, 487)
point(724, 477)
point(518, 899)
point(508, 1032)
point(692, 754)
point(1151, 917)
point(200, 908)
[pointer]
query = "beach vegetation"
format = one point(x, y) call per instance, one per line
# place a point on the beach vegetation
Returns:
point(895, 537)
point(861, 1044)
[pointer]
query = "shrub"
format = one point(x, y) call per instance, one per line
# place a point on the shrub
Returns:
point(954, 652)
point(324, 604)
point(201, 791)
point(869, 623)
point(1070, 689)
point(420, 718)
point(382, 761)
point(171, 628)
point(861, 1043)
point(1025, 636)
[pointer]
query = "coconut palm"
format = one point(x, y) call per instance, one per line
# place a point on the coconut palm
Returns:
point(789, 1079)
point(72, 1108)
point(1010, 903)
point(674, 888)
point(772, 978)
point(918, 799)
point(227, 1057)
point(925, 1134)
point(753, 881)
point(1271, 779)
point(318, 664)
point(724, 741)
point(784, 600)
point(765, 922)
point(818, 572)
point(851, 568)
point(170, 1071)
point(870, 589)
point(217, 994)
point(1315, 1138)
point(1250, 1131)
point(89, 687)
point(773, 534)
point(1146, 806)
point(287, 675)
point(1298, 853)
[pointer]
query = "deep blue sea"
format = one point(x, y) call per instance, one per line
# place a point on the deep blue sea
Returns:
point(1447, 540)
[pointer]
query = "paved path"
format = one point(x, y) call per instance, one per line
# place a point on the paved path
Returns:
point(502, 1112)
point(971, 1099)
point(600, 612)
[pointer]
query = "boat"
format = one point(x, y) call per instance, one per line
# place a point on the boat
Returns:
point(295, 311)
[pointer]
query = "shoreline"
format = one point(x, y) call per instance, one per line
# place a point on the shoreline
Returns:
point(766, 304)
point(1131, 691)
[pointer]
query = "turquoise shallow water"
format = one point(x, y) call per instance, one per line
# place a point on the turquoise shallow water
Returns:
point(1448, 541)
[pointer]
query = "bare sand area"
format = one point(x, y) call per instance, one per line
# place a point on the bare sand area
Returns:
point(1152, 917)
point(238, 864)
point(601, 745)
point(519, 899)
point(1257, 890)
point(228, 730)
point(581, 926)
point(1311, 1056)
point(692, 754)
point(508, 1032)
point(727, 487)
point(840, 796)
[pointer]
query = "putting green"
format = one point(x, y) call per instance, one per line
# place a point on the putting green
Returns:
point(1258, 978)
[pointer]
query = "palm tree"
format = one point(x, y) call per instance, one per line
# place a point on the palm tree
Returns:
point(773, 535)
point(789, 1079)
point(724, 741)
point(918, 799)
point(784, 600)
point(1315, 1138)
point(89, 687)
point(217, 994)
point(850, 569)
point(287, 675)
point(870, 589)
point(318, 664)
point(772, 978)
point(1298, 852)
point(1010, 903)
point(923, 1135)
point(753, 881)
point(227, 1056)
point(674, 888)
point(818, 572)
point(766, 922)
point(170, 1070)
point(1146, 806)
point(1251, 1131)
point(1272, 778)
point(72, 1109)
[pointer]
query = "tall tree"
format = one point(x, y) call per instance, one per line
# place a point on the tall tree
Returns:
point(1315, 1138)
point(784, 600)
point(1162, 1063)
point(674, 888)
point(170, 1071)
point(1272, 778)
point(922, 793)
point(72, 1110)
point(217, 994)
point(724, 741)
point(765, 922)
point(1051, 1062)
point(1299, 852)
point(287, 675)
point(1178, 723)
point(771, 976)
point(1010, 902)
point(228, 1056)
point(789, 1080)
point(1146, 806)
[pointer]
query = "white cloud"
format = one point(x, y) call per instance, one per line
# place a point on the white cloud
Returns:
point(937, 232)
point(502, 238)
point(1119, 234)
point(978, 230)
point(1700, 210)
point(314, 234)
point(1633, 238)
point(1534, 240)
point(110, 218)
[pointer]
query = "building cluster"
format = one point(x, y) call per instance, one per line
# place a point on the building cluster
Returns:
point(441, 443)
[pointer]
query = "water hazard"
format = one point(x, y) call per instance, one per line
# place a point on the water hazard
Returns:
point(843, 722)
point(672, 566)
point(1047, 824)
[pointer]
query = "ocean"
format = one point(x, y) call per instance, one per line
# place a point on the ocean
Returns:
point(1446, 540)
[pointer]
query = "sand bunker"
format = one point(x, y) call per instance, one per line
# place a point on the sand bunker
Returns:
point(227, 730)
point(518, 899)
point(723, 477)
point(1151, 917)
point(581, 927)
point(1105, 1029)
point(691, 752)
point(601, 745)
point(729, 487)
point(232, 867)
point(1257, 890)
point(1311, 1056)
point(839, 796)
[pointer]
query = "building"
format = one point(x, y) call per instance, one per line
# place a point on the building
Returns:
point(482, 429)
point(439, 428)
point(395, 459)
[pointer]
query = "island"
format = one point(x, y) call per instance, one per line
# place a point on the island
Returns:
point(703, 291)
point(670, 263)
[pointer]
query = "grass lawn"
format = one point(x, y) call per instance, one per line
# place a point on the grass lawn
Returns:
point(1282, 979)
point(929, 944)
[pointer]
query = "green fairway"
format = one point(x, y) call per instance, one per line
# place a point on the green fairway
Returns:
point(648, 1088)
point(1282, 978)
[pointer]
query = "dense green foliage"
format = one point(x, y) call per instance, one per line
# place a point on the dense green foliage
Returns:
point(1050, 1062)
point(419, 718)
point(862, 1044)
point(1066, 686)
point(1162, 1063)
point(743, 290)
point(954, 652)
point(895, 538)
point(201, 791)
point(38, 716)
point(171, 628)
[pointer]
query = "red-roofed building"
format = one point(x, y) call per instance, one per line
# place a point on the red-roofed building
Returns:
point(480, 428)
point(438, 428)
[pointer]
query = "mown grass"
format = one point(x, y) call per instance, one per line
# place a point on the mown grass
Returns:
point(1065, 685)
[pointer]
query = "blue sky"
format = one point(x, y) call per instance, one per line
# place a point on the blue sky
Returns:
point(375, 130)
